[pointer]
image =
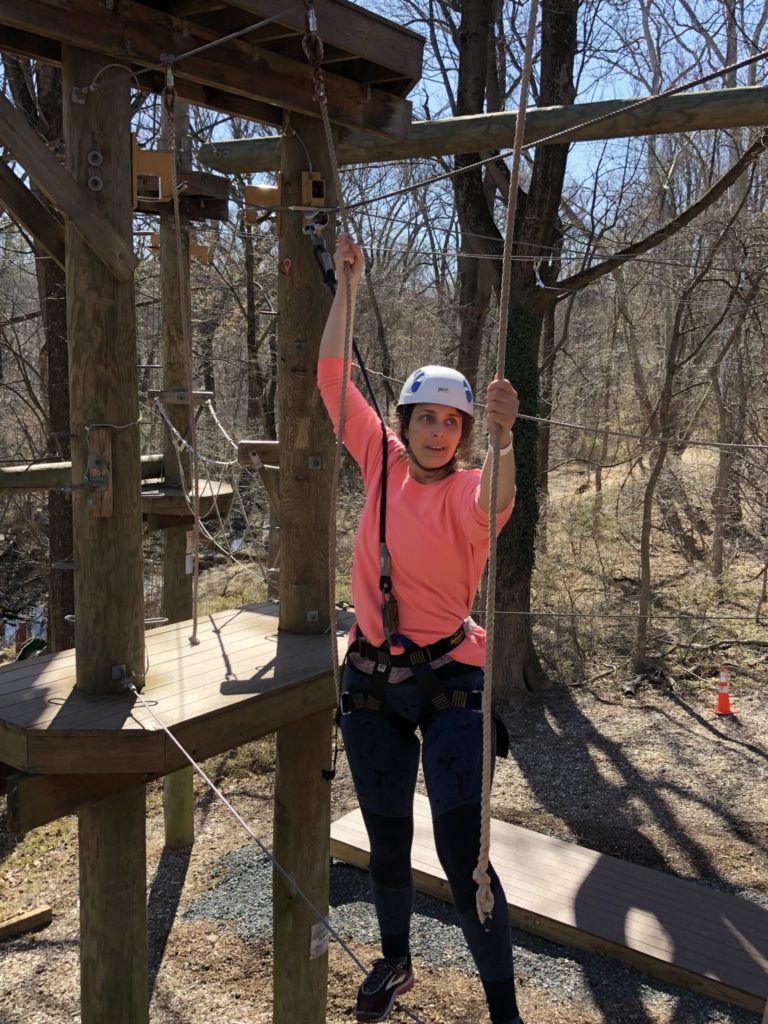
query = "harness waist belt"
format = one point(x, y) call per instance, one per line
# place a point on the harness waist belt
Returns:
point(412, 655)
point(470, 700)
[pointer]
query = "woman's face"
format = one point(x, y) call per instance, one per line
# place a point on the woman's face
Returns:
point(433, 434)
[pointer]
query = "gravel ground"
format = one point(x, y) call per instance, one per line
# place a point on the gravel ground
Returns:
point(655, 779)
point(242, 900)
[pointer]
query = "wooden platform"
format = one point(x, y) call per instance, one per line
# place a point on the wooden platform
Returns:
point(243, 681)
point(682, 932)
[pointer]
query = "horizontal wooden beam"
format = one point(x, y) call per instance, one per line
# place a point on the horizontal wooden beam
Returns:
point(137, 35)
point(485, 133)
point(216, 99)
point(35, 800)
point(350, 28)
point(67, 195)
point(27, 210)
point(46, 476)
point(25, 44)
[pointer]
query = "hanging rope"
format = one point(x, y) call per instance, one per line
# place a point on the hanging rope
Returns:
point(169, 97)
point(480, 874)
point(312, 45)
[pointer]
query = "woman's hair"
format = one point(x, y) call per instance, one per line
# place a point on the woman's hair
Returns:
point(404, 413)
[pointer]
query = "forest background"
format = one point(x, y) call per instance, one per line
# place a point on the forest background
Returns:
point(636, 332)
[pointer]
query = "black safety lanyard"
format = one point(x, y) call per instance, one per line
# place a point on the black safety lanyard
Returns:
point(389, 615)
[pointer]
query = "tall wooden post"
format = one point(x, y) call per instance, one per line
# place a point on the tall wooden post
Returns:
point(109, 598)
point(113, 911)
point(109, 574)
point(306, 442)
point(302, 796)
point(302, 828)
point(178, 788)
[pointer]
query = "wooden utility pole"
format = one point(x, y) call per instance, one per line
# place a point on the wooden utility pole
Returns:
point(306, 457)
point(104, 405)
point(178, 788)
point(109, 584)
point(306, 441)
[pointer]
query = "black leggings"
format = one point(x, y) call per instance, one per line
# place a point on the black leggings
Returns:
point(384, 761)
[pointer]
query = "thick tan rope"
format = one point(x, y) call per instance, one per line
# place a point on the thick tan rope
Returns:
point(480, 875)
point(313, 49)
point(170, 106)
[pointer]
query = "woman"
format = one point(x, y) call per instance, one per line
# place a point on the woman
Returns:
point(416, 656)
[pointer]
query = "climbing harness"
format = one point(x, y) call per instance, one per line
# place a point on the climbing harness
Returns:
point(424, 665)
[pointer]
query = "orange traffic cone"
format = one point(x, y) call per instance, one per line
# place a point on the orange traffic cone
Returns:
point(724, 695)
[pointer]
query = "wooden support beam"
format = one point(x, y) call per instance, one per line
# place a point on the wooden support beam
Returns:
point(483, 133)
point(28, 921)
point(306, 437)
point(349, 27)
point(249, 454)
point(35, 800)
point(27, 211)
point(175, 289)
point(301, 794)
point(46, 476)
point(101, 332)
point(66, 194)
point(113, 910)
point(246, 450)
point(140, 35)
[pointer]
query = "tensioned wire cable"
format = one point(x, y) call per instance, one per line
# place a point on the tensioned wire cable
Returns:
point(564, 135)
point(322, 919)
point(649, 439)
point(135, 75)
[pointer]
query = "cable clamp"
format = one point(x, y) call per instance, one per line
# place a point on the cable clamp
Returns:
point(311, 15)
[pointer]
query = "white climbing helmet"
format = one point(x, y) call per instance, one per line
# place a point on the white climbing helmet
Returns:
point(439, 385)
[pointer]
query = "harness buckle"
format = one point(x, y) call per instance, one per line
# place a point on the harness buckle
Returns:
point(476, 700)
point(345, 704)
point(390, 618)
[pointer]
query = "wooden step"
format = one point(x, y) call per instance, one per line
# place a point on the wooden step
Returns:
point(679, 931)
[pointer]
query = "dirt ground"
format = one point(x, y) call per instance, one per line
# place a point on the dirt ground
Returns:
point(655, 778)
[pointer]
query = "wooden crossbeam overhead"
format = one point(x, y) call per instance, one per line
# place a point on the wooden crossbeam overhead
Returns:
point(64, 192)
point(483, 133)
point(140, 36)
point(350, 35)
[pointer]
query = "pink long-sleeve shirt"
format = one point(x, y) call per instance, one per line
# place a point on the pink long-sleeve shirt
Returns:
point(437, 534)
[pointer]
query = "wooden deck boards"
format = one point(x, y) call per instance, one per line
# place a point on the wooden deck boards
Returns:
point(685, 933)
point(242, 681)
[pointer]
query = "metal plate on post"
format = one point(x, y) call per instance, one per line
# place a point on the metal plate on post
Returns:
point(99, 472)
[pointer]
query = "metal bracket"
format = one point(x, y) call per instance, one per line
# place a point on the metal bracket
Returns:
point(98, 473)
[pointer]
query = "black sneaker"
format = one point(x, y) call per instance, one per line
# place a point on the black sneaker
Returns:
point(387, 980)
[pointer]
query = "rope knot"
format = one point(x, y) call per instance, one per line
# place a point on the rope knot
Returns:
point(312, 45)
point(484, 898)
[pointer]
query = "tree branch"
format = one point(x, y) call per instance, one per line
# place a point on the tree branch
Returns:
point(585, 277)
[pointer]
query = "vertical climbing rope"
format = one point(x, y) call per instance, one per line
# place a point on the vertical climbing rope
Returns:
point(480, 874)
point(312, 45)
point(169, 98)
